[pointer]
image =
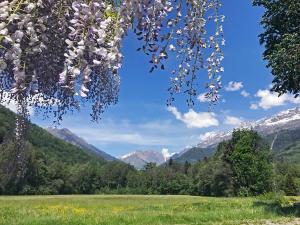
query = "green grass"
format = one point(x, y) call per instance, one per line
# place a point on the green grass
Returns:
point(137, 210)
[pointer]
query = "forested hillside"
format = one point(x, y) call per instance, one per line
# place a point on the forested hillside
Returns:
point(291, 153)
point(43, 142)
point(53, 166)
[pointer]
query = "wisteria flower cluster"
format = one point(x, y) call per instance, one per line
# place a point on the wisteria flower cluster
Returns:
point(68, 52)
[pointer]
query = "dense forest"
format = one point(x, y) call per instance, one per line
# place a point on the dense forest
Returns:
point(242, 166)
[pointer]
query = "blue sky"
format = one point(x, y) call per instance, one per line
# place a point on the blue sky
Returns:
point(141, 120)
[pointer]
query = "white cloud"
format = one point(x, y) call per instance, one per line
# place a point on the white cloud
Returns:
point(165, 152)
point(269, 100)
point(234, 86)
point(175, 112)
point(294, 100)
point(245, 93)
point(202, 98)
point(254, 106)
point(13, 106)
point(233, 121)
point(193, 119)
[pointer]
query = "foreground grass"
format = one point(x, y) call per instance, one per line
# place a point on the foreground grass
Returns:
point(136, 210)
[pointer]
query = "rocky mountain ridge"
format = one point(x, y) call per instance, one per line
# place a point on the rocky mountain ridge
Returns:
point(140, 158)
point(66, 135)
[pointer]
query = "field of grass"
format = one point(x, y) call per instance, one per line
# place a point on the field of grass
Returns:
point(138, 210)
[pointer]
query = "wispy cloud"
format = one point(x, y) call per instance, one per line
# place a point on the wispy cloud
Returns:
point(113, 136)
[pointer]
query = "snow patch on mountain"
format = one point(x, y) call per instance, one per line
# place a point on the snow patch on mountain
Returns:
point(128, 155)
point(141, 158)
point(211, 138)
point(287, 119)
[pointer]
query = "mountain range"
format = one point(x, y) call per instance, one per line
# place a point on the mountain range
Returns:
point(281, 131)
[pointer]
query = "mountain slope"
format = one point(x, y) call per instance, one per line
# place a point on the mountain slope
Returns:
point(280, 131)
point(43, 142)
point(290, 153)
point(70, 137)
point(195, 154)
point(139, 159)
point(135, 161)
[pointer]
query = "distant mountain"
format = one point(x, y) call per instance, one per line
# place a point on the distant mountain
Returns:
point(285, 120)
point(66, 135)
point(280, 131)
point(139, 159)
point(134, 160)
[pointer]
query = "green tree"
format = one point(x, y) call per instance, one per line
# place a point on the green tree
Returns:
point(281, 38)
point(287, 175)
point(250, 160)
point(222, 182)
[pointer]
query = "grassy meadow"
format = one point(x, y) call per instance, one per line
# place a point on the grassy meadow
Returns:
point(140, 210)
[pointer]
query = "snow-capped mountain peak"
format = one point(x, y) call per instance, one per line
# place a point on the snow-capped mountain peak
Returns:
point(211, 138)
point(140, 158)
point(280, 126)
point(283, 117)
